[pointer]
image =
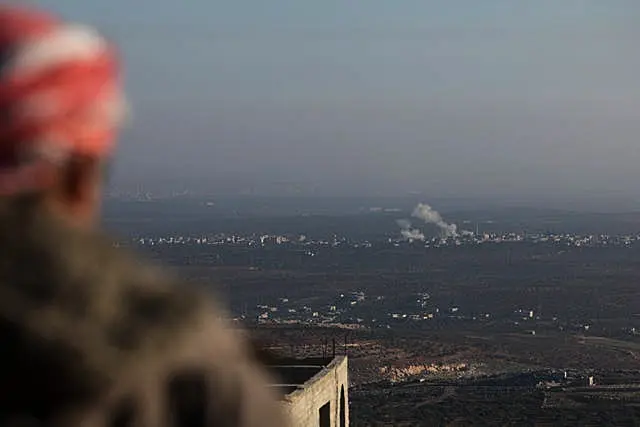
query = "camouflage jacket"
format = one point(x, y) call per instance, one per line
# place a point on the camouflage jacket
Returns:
point(91, 336)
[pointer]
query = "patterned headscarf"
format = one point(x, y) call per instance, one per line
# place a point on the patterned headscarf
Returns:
point(59, 95)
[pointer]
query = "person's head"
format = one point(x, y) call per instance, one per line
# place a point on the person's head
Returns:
point(60, 109)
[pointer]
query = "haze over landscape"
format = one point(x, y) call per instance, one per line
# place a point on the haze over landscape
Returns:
point(496, 98)
point(448, 189)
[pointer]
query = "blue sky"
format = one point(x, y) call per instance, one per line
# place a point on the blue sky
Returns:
point(450, 97)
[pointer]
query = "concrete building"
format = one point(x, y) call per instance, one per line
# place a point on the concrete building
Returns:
point(315, 390)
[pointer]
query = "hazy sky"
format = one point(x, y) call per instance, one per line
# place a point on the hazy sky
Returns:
point(450, 97)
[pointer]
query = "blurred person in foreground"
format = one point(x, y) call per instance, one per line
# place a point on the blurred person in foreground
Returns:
point(89, 335)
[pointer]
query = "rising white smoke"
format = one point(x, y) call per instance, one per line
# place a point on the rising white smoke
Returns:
point(408, 232)
point(431, 216)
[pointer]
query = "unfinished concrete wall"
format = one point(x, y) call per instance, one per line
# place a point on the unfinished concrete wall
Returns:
point(303, 405)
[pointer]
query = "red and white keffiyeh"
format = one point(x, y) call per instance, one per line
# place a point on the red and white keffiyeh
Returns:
point(60, 93)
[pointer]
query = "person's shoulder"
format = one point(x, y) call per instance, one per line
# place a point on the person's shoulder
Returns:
point(176, 330)
point(148, 299)
point(131, 323)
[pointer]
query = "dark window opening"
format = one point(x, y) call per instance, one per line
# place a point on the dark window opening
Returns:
point(343, 411)
point(325, 415)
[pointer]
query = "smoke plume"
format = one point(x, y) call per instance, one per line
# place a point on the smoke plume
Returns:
point(408, 232)
point(431, 216)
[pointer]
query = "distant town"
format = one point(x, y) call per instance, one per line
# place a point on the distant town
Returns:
point(366, 310)
point(253, 240)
